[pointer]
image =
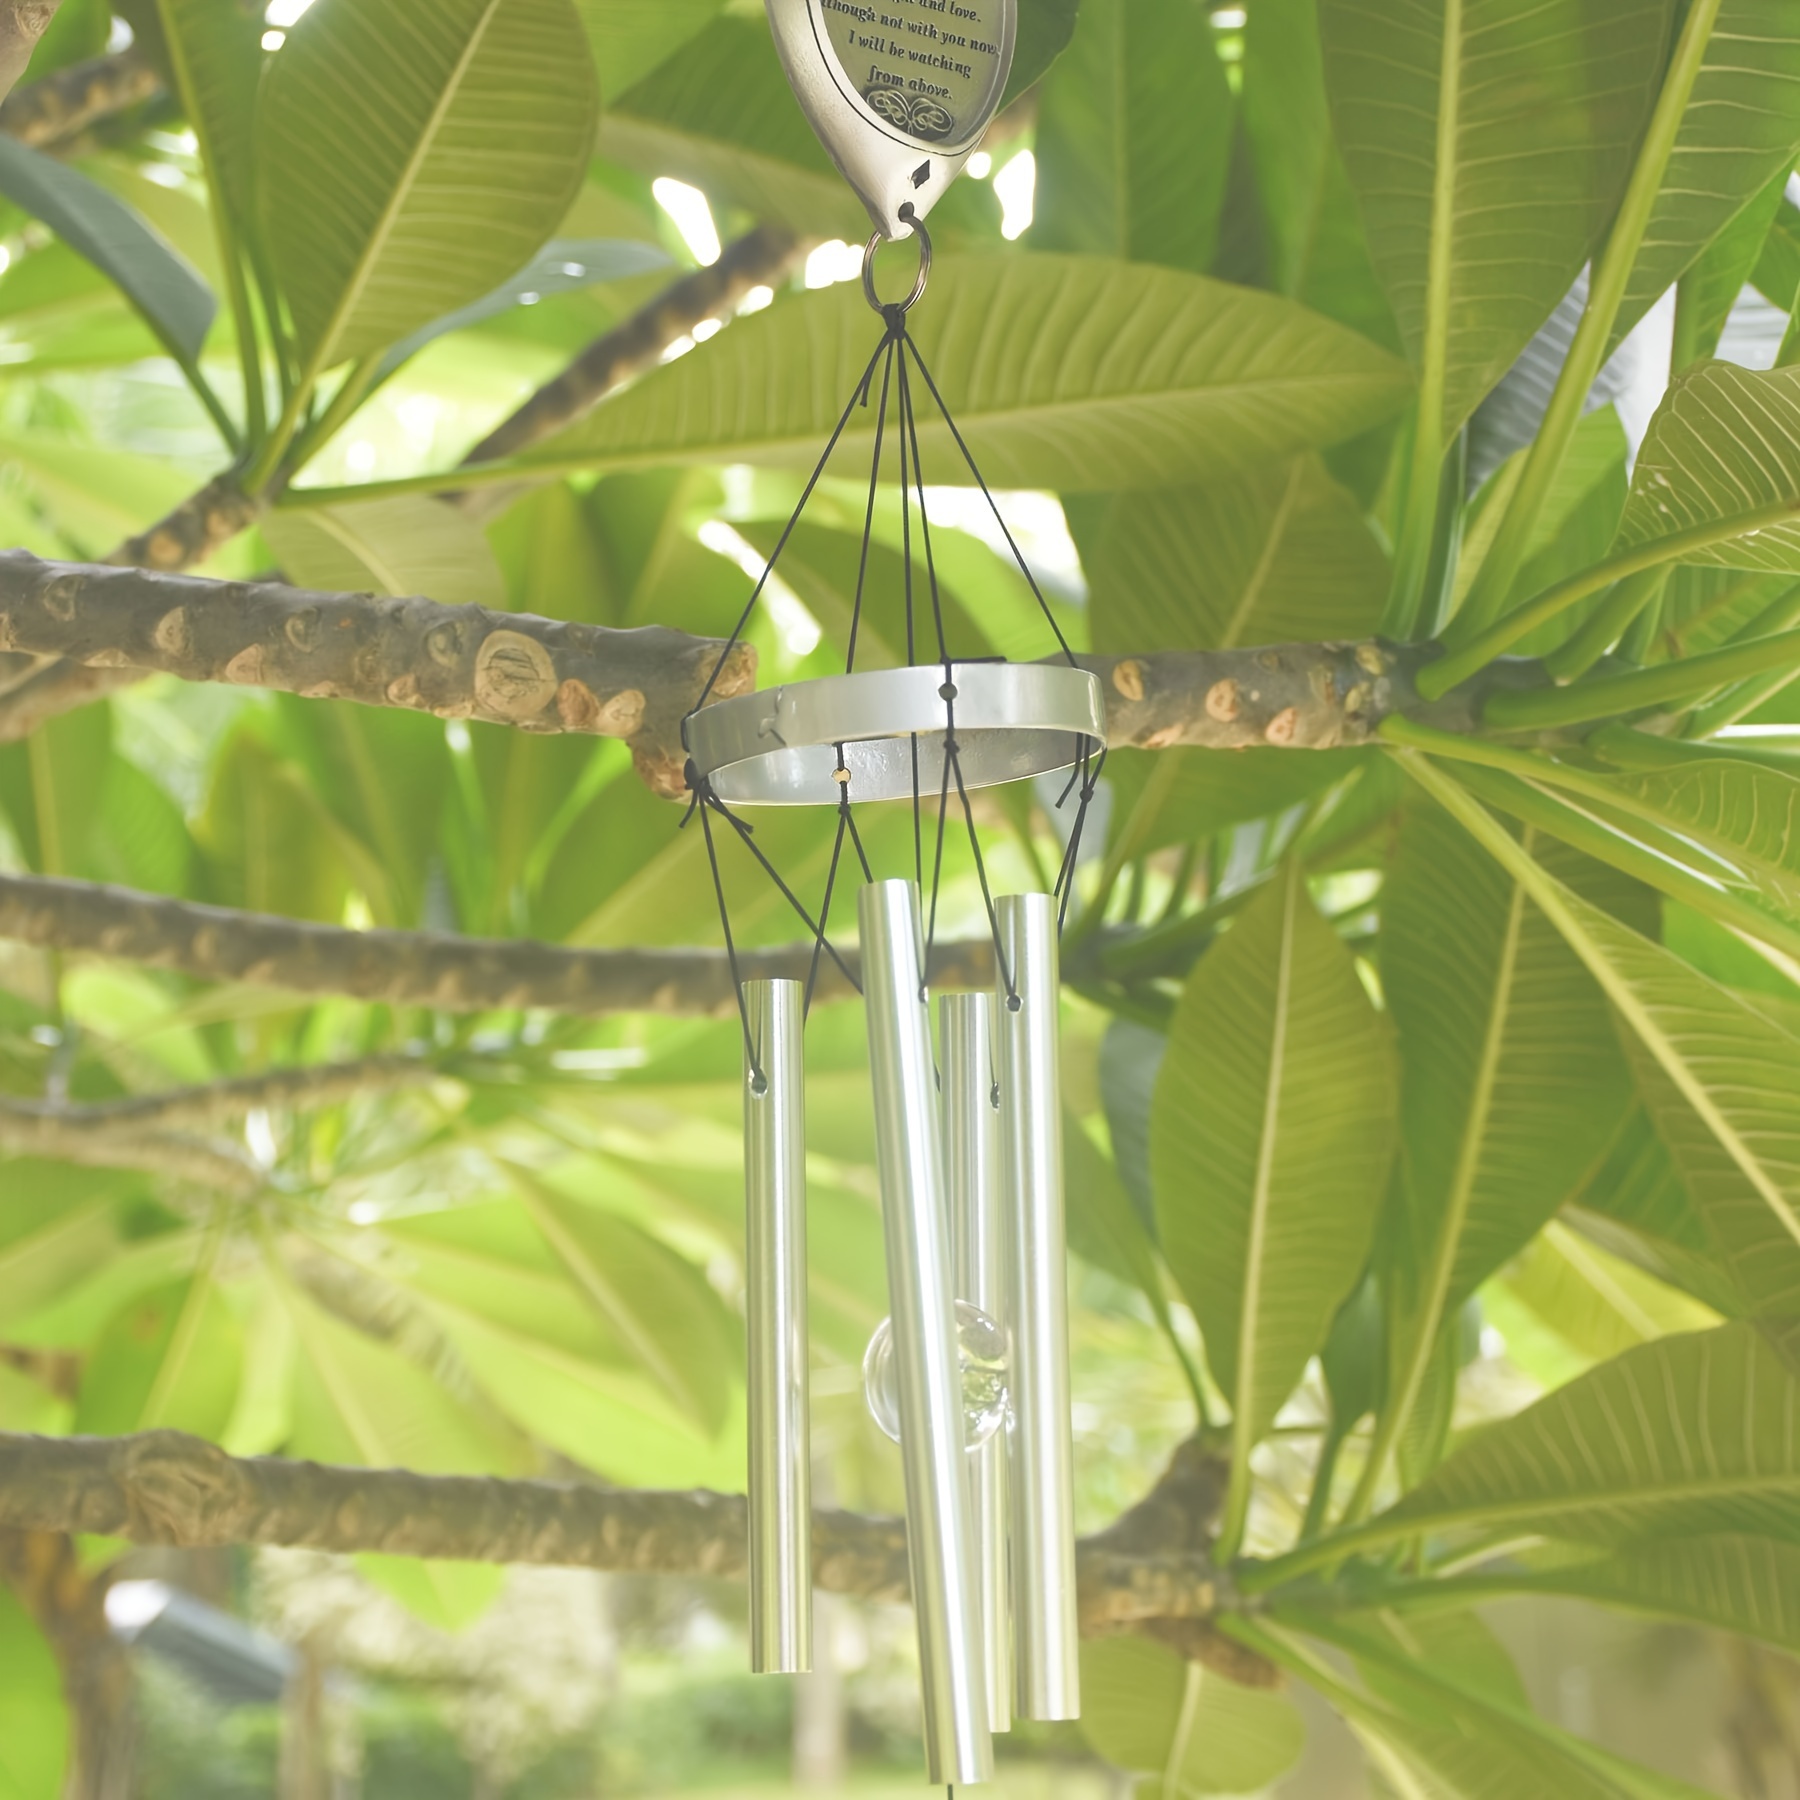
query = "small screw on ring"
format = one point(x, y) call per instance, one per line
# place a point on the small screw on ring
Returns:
point(868, 265)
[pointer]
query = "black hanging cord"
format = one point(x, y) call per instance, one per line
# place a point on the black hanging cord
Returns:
point(701, 793)
point(812, 481)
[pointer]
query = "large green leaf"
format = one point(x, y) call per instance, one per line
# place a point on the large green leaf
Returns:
point(51, 788)
point(1270, 1140)
point(630, 37)
point(1151, 1712)
point(1281, 555)
point(1511, 1081)
point(1687, 1435)
point(1134, 136)
point(34, 1720)
point(411, 154)
point(175, 303)
point(171, 1358)
point(548, 1356)
point(1739, 1583)
point(1734, 1074)
point(406, 545)
point(214, 52)
point(59, 1223)
point(1599, 1304)
point(1066, 372)
point(1488, 142)
point(1316, 249)
point(719, 113)
point(1741, 131)
point(657, 1304)
point(1718, 477)
point(1745, 814)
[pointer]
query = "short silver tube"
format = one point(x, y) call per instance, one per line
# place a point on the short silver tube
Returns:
point(958, 1747)
point(1042, 1476)
point(978, 1231)
point(775, 1311)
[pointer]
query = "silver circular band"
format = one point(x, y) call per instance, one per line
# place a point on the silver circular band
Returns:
point(868, 270)
point(781, 747)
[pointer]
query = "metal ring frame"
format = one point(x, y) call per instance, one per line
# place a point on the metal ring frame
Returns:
point(883, 732)
point(868, 267)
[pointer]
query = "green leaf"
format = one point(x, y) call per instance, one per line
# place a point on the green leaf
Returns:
point(563, 266)
point(381, 777)
point(1045, 29)
point(268, 844)
point(1749, 816)
point(214, 52)
point(1135, 377)
point(406, 545)
point(1713, 286)
point(1147, 1710)
point(175, 303)
point(1597, 1303)
point(551, 1358)
point(657, 1304)
point(411, 154)
point(51, 788)
point(1281, 555)
point(1683, 1436)
point(630, 37)
point(1734, 1582)
point(1270, 1140)
point(1134, 137)
point(1718, 477)
point(170, 1359)
point(34, 1719)
point(719, 113)
point(1487, 142)
point(1317, 252)
point(1739, 133)
point(1511, 1082)
point(1734, 1070)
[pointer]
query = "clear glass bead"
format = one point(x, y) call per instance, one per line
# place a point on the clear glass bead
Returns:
point(983, 1349)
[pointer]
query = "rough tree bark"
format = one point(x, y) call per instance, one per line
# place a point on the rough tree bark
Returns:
point(210, 518)
point(28, 1128)
point(68, 1604)
point(162, 1487)
point(413, 968)
point(48, 112)
point(551, 676)
point(22, 23)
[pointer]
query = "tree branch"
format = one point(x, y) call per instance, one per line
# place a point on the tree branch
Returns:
point(22, 23)
point(550, 676)
point(764, 258)
point(47, 113)
point(28, 1128)
point(457, 662)
point(163, 1487)
point(412, 968)
point(200, 1108)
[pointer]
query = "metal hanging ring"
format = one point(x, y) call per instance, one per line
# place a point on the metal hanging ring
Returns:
point(868, 268)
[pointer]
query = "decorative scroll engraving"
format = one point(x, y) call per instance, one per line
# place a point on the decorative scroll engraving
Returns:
point(930, 68)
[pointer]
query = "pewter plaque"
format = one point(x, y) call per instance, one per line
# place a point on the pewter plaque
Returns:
point(899, 91)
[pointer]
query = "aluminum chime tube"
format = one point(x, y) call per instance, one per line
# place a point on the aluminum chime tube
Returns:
point(978, 1226)
point(775, 1310)
point(1042, 1476)
point(946, 1597)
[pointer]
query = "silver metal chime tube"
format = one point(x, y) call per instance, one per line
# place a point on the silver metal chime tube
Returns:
point(1042, 1475)
point(978, 1228)
point(775, 1307)
point(958, 1747)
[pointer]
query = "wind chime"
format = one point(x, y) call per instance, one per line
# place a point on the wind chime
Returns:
point(970, 1371)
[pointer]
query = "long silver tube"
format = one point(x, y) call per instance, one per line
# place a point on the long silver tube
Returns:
point(958, 1747)
point(978, 1228)
point(1042, 1474)
point(775, 1310)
